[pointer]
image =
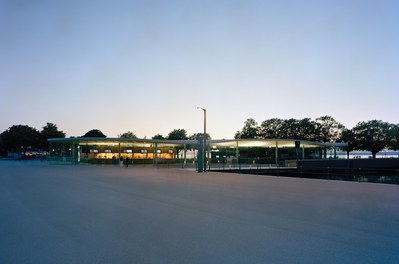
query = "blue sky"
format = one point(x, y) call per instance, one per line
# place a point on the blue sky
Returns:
point(145, 66)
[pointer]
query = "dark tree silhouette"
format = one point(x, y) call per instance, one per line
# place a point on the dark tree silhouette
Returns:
point(128, 134)
point(250, 130)
point(306, 129)
point(177, 134)
point(371, 136)
point(50, 130)
point(289, 129)
point(158, 136)
point(348, 137)
point(394, 137)
point(329, 129)
point(94, 133)
point(271, 128)
point(20, 137)
point(196, 136)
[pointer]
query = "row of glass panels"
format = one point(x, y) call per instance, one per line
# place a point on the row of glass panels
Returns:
point(217, 152)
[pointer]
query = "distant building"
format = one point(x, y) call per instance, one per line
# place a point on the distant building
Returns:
point(230, 152)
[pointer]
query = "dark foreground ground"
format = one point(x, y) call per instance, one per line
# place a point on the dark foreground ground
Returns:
point(106, 214)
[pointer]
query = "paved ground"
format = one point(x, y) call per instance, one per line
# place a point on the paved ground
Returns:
point(106, 214)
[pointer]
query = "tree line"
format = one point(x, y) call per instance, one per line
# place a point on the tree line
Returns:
point(20, 138)
point(373, 136)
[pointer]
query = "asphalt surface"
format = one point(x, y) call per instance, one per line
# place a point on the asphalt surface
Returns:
point(107, 214)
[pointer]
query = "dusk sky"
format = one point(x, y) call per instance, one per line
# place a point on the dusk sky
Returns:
point(145, 66)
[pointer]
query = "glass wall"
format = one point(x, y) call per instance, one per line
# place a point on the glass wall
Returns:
point(110, 151)
point(219, 152)
point(61, 151)
point(266, 152)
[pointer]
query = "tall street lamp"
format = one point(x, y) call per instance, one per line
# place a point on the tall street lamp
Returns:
point(204, 146)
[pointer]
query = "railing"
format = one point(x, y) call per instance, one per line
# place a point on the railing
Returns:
point(390, 176)
point(358, 174)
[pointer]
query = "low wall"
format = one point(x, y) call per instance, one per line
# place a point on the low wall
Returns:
point(391, 163)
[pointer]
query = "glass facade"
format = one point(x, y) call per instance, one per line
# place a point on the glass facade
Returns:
point(264, 151)
point(278, 152)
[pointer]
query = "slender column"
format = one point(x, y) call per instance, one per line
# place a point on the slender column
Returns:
point(185, 154)
point(204, 139)
point(237, 153)
point(73, 153)
point(200, 155)
point(205, 148)
point(156, 153)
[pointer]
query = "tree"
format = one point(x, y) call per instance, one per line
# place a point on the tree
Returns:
point(196, 136)
point(306, 129)
point(128, 134)
point(394, 137)
point(329, 129)
point(324, 129)
point(289, 129)
point(94, 133)
point(177, 134)
point(158, 136)
point(349, 138)
point(271, 128)
point(50, 130)
point(250, 130)
point(2, 148)
point(371, 136)
point(20, 137)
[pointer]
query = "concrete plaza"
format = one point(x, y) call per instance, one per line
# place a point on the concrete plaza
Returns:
point(108, 214)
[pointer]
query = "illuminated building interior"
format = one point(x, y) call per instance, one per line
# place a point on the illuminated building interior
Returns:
point(150, 151)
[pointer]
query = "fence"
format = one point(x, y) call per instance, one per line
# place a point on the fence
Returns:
point(367, 173)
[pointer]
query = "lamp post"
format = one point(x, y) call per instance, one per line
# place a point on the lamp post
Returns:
point(204, 146)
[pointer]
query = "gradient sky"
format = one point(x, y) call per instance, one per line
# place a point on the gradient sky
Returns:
point(145, 66)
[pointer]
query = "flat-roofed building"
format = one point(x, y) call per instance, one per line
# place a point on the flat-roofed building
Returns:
point(231, 152)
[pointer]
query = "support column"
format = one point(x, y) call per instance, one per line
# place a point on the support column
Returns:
point(237, 153)
point(155, 153)
point(200, 155)
point(79, 151)
point(185, 154)
point(73, 153)
point(276, 152)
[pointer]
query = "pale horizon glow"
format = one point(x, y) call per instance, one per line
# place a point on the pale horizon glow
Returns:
point(145, 66)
